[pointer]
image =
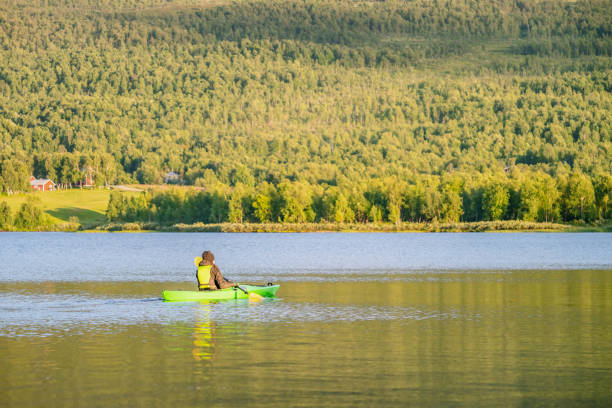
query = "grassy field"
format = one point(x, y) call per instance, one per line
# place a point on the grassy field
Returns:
point(89, 206)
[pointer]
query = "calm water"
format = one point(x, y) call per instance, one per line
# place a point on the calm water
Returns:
point(360, 320)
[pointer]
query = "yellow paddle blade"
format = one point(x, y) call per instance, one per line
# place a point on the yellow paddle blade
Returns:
point(197, 260)
point(254, 297)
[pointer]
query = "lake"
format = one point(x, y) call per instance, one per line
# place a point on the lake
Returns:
point(360, 320)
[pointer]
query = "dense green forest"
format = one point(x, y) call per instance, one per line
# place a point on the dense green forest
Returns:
point(312, 110)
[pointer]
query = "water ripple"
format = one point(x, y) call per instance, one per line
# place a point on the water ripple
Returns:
point(40, 315)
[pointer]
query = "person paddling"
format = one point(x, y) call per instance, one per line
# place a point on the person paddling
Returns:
point(208, 275)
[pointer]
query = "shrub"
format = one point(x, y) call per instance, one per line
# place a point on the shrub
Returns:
point(130, 226)
point(6, 218)
point(30, 217)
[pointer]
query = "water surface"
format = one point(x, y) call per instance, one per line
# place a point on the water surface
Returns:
point(360, 320)
point(169, 256)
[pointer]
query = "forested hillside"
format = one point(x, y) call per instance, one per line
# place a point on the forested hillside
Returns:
point(315, 110)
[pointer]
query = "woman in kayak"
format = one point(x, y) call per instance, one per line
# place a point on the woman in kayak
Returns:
point(208, 274)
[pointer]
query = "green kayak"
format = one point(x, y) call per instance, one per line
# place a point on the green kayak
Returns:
point(222, 294)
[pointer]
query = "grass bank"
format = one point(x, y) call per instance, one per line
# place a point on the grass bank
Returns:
point(71, 209)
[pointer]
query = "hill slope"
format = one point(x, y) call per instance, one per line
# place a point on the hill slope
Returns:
point(329, 94)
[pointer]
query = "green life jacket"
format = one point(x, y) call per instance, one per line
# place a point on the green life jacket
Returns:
point(203, 276)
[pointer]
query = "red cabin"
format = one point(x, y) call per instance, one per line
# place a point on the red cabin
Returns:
point(41, 184)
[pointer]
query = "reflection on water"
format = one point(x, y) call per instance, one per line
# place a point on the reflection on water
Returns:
point(203, 333)
point(48, 306)
point(496, 338)
point(423, 320)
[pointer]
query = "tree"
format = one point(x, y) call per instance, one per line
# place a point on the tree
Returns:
point(603, 195)
point(529, 201)
point(15, 176)
point(295, 202)
point(105, 169)
point(395, 190)
point(263, 209)
point(375, 214)
point(241, 174)
point(235, 210)
point(548, 199)
point(291, 210)
point(495, 201)
point(414, 202)
point(68, 172)
point(579, 198)
point(219, 208)
point(452, 203)
point(148, 174)
point(115, 207)
point(377, 199)
point(6, 218)
point(342, 212)
point(137, 208)
point(29, 217)
point(44, 166)
point(433, 205)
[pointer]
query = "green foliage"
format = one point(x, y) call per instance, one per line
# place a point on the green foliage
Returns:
point(579, 198)
point(235, 206)
point(452, 199)
point(148, 174)
point(538, 199)
point(452, 203)
point(30, 217)
point(566, 46)
point(495, 200)
point(123, 208)
point(14, 176)
point(529, 200)
point(603, 196)
point(6, 217)
point(334, 207)
point(375, 214)
point(294, 204)
point(115, 206)
point(305, 110)
point(262, 206)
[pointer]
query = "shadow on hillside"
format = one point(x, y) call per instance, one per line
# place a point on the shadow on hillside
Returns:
point(84, 215)
point(335, 23)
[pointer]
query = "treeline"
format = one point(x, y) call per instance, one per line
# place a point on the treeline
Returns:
point(336, 21)
point(566, 46)
point(451, 198)
point(310, 91)
point(64, 169)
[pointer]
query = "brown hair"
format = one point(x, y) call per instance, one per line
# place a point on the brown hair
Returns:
point(208, 258)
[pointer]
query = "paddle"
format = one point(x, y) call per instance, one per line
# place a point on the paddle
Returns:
point(252, 295)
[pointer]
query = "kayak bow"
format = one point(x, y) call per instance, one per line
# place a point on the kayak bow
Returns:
point(221, 294)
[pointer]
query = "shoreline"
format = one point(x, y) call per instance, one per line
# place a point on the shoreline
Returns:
point(405, 227)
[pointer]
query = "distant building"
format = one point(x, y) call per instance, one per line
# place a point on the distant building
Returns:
point(41, 184)
point(88, 181)
point(172, 178)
